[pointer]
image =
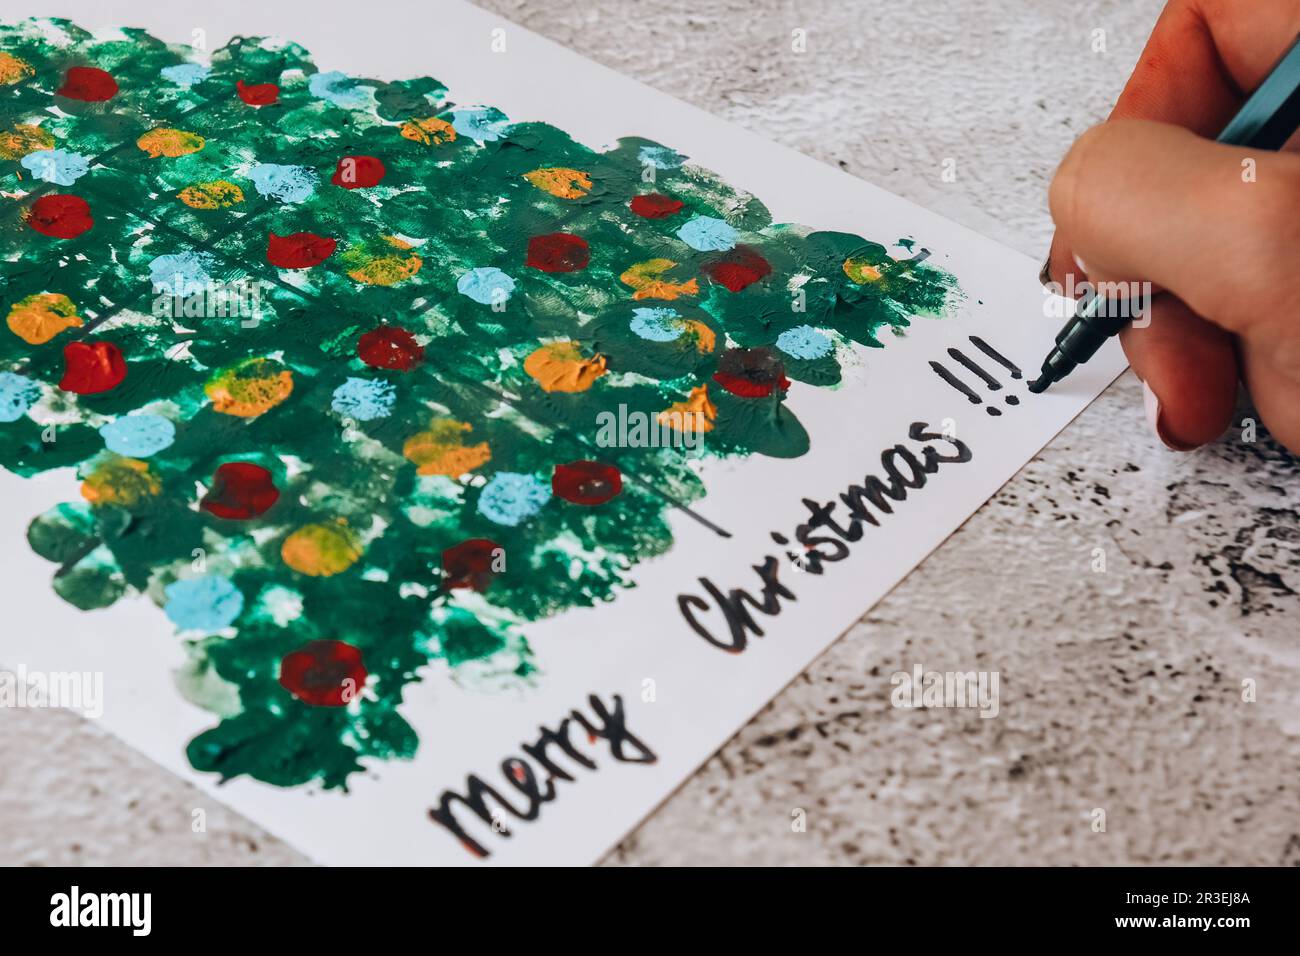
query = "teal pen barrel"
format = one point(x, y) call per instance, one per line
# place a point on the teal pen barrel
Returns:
point(1272, 113)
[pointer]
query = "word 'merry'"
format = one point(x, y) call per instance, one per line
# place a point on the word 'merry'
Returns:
point(548, 753)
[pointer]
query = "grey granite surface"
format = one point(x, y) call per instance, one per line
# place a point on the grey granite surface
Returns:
point(1122, 689)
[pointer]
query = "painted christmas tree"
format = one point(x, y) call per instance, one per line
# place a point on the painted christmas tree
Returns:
point(329, 357)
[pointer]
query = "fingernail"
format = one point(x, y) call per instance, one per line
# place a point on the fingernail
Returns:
point(1152, 404)
point(1045, 273)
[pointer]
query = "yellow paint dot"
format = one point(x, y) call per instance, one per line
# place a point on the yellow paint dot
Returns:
point(120, 481)
point(13, 69)
point(647, 279)
point(560, 367)
point(217, 194)
point(706, 340)
point(430, 132)
point(321, 550)
point(697, 414)
point(170, 143)
point(39, 318)
point(560, 181)
point(24, 139)
point(249, 388)
point(861, 271)
point(441, 450)
point(387, 270)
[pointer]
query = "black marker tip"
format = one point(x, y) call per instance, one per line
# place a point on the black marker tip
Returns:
point(1056, 366)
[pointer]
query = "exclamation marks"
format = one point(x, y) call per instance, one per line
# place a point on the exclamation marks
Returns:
point(970, 365)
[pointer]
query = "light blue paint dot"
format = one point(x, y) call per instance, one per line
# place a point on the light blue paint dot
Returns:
point(661, 157)
point(706, 234)
point(138, 436)
point(510, 498)
point(656, 324)
point(480, 124)
point(17, 394)
point(486, 284)
point(181, 273)
point(57, 166)
point(804, 342)
point(207, 604)
point(285, 183)
point(186, 74)
point(364, 399)
point(340, 89)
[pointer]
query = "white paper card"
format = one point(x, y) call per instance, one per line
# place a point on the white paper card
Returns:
point(682, 697)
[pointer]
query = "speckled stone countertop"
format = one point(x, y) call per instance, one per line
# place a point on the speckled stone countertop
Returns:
point(1121, 689)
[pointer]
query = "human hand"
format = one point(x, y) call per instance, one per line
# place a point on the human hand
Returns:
point(1148, 195)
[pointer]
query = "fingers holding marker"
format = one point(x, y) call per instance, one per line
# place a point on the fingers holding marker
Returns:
point(1140, 200)
point(1149, 196)
point(1211, 223)
point(1201, 59)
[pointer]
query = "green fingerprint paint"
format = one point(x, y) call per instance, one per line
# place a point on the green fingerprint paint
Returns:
point(357, 542)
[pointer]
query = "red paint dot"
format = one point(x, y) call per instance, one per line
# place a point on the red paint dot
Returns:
point(358, 172)
point(300, 250)
point(391, 347)
point(89, 84)
point(60, 215)
point(751, 373)
point(471, 564)
point(323, 673)
point(655, 206)
point(257, 94)
point(558, 252)
point(586, 482)
point(739, 268)
point(240, 490)
point(91, 368)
